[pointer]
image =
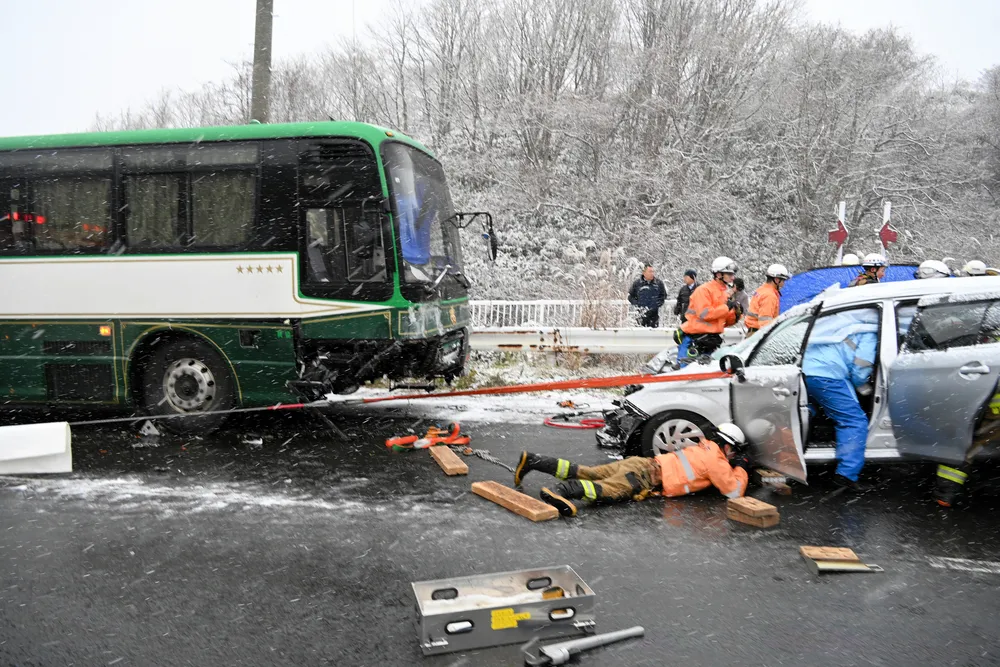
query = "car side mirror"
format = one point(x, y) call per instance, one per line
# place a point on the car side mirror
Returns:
point(734, 366)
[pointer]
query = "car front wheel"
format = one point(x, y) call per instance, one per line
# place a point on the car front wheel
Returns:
point(672, 430)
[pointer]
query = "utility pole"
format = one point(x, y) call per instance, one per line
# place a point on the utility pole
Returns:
point(259, 102)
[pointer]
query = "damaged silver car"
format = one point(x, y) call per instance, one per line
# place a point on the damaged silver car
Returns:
point(936, 373)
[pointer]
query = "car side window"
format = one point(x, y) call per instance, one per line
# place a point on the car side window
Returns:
point(949, 325)
point(989, 332)
point(783, 346)
point(905, 312)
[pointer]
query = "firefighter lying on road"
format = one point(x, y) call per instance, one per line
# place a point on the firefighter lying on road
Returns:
point(723, 465)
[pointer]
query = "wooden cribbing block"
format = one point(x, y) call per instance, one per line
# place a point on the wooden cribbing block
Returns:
point(516, 502)
point(765, 521)
point(774, 481)
point(840, 554)
point(751, 506)
point(449, 461)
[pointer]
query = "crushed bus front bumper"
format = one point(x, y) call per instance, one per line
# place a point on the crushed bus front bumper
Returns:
point(341, 366)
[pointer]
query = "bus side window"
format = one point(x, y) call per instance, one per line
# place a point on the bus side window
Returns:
point(61, 202)
point(344, 245)
point(153, 210)
point(71, 213)
point(190, 195)
point(324, 252)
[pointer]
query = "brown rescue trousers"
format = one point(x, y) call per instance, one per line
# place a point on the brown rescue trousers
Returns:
point(623, 479)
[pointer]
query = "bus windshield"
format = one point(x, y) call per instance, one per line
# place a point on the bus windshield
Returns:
point(424, 214)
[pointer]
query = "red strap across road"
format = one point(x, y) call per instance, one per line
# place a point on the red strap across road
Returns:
point(584, 383)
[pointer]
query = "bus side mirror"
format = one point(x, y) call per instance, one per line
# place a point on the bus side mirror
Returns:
point(492, 246)
point(490, 235)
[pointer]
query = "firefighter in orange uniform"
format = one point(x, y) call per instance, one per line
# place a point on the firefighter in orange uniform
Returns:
point(709, 312)
point(689, 470)
point(765, 304)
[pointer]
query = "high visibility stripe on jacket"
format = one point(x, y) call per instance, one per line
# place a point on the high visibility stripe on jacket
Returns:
point(695, 468)
point(707, 311)
point(765, 304)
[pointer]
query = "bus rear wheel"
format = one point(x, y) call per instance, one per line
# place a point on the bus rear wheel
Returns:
point(187, 377)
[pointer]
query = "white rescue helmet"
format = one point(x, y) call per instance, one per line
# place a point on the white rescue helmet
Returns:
point(932, 268)
point(873, 259)
point(975, 268)
point(777, 271)
point(723, 265)
point(730, 434)
point(850, 259)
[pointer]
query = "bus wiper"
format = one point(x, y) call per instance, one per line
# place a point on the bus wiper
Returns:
point(444, 272)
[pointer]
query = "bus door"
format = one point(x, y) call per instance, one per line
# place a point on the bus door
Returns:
point(346, 242)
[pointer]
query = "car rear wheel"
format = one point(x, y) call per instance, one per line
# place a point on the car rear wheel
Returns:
point(672, 430)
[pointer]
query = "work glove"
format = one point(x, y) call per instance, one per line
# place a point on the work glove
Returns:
point(642, 495)
point(742, 461)
point(678, 335)
point(734, 306)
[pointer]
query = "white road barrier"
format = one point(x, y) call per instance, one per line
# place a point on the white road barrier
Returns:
point(580, 339)
point(562, 313)
point(32, 449)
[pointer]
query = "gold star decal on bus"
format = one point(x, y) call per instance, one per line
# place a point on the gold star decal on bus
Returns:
point(249, 270)
point(260, 269)
point(280, 269)
point(270, 269)
point(239, 269)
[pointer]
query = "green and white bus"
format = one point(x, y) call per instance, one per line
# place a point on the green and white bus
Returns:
point(197, 270)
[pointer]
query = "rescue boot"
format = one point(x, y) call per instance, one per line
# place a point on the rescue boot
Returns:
point(565, 507)
point(573, 489)
point(560, 468)
point(949, 485)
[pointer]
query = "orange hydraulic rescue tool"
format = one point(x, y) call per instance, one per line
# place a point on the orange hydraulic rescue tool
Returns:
point(434, 436)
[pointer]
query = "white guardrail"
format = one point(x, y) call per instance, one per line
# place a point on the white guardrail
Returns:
point(581, 339)
point(562, 326)
point(615, 313)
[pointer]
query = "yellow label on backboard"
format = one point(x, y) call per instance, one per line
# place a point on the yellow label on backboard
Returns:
point(505, 619)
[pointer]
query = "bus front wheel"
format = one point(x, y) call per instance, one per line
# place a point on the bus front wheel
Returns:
point(187, 377)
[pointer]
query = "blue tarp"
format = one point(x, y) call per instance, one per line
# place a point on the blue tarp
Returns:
point(802, 287)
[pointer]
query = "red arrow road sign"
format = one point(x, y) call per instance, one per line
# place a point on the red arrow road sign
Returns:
point(887, 235)
point(839, 235)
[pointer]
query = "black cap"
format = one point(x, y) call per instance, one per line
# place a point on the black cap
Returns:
point(691, 273)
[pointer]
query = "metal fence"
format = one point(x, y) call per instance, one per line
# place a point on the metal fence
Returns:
point(581, 339)
point(562, 313)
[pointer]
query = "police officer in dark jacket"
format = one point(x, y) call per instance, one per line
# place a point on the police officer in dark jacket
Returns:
point(648, 294)
point(684, 294)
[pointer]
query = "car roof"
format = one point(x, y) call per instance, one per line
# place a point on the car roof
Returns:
point(914, 289)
